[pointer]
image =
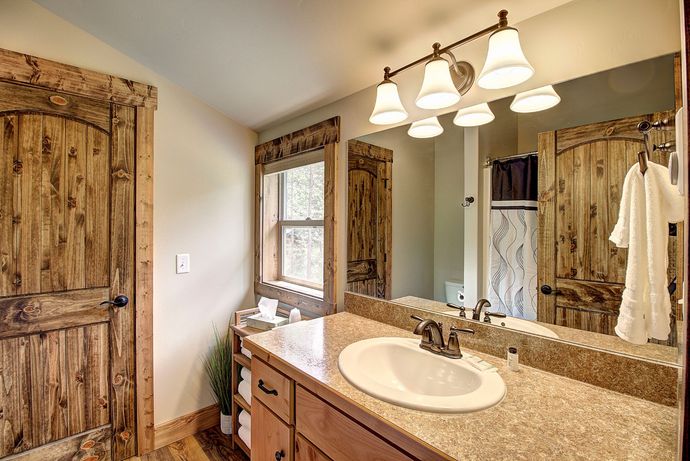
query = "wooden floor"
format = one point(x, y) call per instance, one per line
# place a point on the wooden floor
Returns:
point(210, 445)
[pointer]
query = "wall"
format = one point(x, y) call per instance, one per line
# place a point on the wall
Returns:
point(203, 204)
point(413, 218)
point(449, 216)
point(576, 39)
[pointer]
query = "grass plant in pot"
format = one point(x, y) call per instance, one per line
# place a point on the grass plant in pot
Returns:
point(218, 366)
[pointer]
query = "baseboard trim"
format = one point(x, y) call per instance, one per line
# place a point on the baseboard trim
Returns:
point(186, 425)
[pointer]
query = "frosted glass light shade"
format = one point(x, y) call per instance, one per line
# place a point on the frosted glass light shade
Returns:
point(505, 64)
point(535, 100)
point(426, 128)
point(474, 115)
point(388, 108)
point(438, 90)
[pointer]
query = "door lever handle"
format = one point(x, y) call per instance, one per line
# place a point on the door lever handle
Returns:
point(119, 301)
point(547, 290)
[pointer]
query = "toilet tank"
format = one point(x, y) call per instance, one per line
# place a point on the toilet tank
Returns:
point(455, 292)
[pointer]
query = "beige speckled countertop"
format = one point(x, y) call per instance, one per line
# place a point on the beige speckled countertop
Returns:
point(543, 416)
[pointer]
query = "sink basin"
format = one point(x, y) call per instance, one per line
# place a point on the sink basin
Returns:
point(518, 324)
point(398, 371)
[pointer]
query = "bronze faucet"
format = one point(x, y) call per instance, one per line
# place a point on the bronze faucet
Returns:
point(432, 338)
point(432, 334)
point(477, 311)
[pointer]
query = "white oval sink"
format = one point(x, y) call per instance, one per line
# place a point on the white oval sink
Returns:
point(517, 324)
point(398, 371)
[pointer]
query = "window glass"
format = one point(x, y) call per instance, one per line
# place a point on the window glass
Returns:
point(302, 254)
point(303, 192)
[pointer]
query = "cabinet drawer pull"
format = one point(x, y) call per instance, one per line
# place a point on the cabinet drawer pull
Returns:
point(280, 455)
point(268, 391)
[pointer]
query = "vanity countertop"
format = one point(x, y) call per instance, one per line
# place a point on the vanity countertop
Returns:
point(543, 416)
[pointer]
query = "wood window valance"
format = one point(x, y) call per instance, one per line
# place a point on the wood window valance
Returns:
point(298, 142)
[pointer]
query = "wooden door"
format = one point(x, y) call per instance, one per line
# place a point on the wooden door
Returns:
point(581, 171)
point(66, 246)
point(369, 227)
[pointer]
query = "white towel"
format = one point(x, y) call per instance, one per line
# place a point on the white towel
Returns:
point(245, 419)
point(648, 204)
point(246, 374)
point(246, 352)
point(245, 390)
point(245, 434)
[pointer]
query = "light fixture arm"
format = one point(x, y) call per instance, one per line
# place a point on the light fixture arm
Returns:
point(502, 22)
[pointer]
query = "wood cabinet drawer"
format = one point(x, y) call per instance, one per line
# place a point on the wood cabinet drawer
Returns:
point(274, 389)
point(338, 436)
point(271, 437)
point(305, 451)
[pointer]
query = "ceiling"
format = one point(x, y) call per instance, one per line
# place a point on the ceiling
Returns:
point(263, 61)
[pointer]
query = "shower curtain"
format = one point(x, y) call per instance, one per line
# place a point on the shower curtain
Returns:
point(513, 240)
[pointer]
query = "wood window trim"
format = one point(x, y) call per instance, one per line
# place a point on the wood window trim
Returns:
point(32, 71)
point(324, 135)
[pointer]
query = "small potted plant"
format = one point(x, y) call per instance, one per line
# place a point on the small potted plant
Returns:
point(218, 366)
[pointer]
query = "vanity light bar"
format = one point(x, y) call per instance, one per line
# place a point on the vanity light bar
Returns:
point(505, 66)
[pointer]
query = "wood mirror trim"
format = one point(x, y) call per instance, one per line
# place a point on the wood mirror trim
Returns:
point(37, 72)
point(323, 135)
point(684, 394)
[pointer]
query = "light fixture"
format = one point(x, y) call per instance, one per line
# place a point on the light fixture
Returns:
point(438, 90)
point(535, 100)
point(388, 108)
point(426, 128)
point(474, 115)
point(505, 63)
point(444, 83)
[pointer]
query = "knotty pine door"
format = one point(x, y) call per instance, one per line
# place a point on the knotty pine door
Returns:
point(581, 171)
point(66, 245)
point(369, 232)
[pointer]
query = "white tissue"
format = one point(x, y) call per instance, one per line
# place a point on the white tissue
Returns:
point(268, 308)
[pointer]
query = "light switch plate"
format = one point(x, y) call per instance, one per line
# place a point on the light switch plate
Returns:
point(182, 263)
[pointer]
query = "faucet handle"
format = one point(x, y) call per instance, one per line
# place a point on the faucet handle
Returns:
point(488, 315)
point(453, 349)
point(461, 308)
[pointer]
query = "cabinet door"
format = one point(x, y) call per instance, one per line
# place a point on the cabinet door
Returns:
point(271, 437)
point(305, 451)
point(338, 436)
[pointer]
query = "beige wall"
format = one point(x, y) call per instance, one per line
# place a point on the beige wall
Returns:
point(203, 204)
point(576, 39)
point(449, 216)
point(413, 217)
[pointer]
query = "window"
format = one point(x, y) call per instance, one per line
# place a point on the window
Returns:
point(295, 218)
point(301, 225)
point(293, 224)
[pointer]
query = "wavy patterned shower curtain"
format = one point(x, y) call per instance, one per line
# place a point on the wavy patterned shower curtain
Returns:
point(513, 243)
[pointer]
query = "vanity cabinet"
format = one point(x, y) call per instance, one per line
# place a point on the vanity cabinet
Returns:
point(290, 422)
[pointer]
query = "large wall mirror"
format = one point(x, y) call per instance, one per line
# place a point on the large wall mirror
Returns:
point(520, 211)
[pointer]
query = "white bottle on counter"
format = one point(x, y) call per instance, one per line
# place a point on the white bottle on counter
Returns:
point(513, 363)
point(295, 315)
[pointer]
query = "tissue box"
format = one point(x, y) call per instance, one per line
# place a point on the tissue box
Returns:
point(260, 323)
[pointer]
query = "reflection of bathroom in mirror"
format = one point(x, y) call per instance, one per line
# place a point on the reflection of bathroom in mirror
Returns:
point(520, 211)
